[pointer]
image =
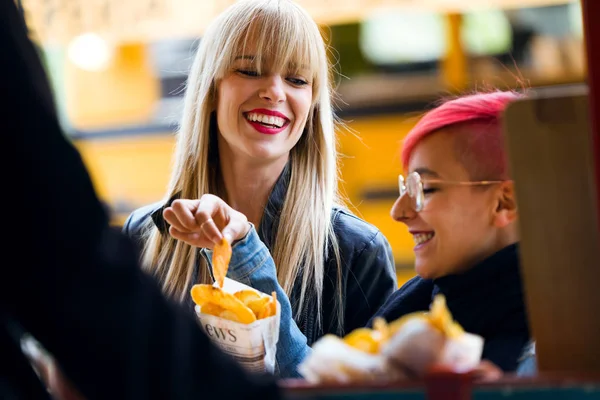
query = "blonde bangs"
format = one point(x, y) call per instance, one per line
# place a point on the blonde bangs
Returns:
point(278, 36)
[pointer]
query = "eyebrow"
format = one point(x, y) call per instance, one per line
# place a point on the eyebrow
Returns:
point(426, 171)
point(292, 66)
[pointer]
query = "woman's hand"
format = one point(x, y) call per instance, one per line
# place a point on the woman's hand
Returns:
point(204, 222)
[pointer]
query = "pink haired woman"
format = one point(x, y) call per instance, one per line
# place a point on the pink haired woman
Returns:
point(458, 201)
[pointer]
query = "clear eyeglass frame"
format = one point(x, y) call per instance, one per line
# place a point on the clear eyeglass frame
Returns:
point(413, 186)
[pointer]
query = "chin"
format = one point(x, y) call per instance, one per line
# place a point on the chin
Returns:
point(424, 271)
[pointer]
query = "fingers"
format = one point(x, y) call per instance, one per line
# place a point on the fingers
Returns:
point(487, 371)
point(205, 222)
point(209, 212)
point(181, 215)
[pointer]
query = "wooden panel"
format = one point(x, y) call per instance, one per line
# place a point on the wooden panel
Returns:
point(551, 159)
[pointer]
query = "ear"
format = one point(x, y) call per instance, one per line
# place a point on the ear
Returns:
point(506, 205)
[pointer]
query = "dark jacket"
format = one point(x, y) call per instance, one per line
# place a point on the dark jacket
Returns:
point(487, 300)
point(368, 272)
point(78, 289)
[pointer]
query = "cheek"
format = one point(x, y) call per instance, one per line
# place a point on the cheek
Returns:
point(457, 215)
point(468, 222)
point(302, 103)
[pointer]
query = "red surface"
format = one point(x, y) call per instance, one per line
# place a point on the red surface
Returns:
point(591, 17)
point(443, 384)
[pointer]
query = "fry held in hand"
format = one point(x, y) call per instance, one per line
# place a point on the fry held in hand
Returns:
point(220, 261)
point(245, 306)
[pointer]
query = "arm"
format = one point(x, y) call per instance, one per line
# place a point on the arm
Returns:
point(251, 263)
point(79, 290)
point(372, 279)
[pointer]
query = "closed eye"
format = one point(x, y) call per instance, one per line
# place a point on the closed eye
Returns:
point(429, 190)
point(297, 81)
point(247, 72)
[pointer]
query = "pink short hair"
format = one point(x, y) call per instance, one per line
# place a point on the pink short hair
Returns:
point(480, 148)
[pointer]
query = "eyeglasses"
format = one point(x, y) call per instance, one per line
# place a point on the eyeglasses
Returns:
point(413, 186)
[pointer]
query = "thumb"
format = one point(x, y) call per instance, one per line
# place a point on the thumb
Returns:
point(236, 229)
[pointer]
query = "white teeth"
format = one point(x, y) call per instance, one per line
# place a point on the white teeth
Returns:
point(422, 237)
point(266, 119)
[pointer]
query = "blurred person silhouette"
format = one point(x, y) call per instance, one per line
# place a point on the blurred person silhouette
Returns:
point(458, 202)
point(258, 133)
point(76, 286)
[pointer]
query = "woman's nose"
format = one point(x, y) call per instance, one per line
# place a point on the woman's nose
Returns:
point(273, 89)
point(403, 210)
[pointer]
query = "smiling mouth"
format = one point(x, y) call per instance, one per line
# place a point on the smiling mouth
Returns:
point(269, 121)
point(421, 238)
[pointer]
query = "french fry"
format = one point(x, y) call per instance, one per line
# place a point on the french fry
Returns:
point(381, 328)
point(441, 318)
point(258, 304)
point(247, 296)
point(212, 309)
point(270, 308)
point(230, 315)
point(395, 326)
point(364, 340)
point(203, 294)
point(245, 306)
point(220, 261)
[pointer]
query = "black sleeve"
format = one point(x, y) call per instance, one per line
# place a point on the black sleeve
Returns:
point(76, 285)
point(371, 280)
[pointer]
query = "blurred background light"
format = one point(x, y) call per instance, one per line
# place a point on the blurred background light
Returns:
point(90, 52)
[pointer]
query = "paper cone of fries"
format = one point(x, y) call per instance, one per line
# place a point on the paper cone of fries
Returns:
point(246, 331)
point(242, 321)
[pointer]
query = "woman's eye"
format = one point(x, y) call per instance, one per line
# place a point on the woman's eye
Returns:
point(297, 81)
point(247, 72)
point(429, 190)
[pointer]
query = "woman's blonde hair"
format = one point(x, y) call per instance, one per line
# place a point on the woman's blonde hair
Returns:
point(284, 35)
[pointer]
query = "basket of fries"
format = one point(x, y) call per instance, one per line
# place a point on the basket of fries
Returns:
point(242, 321)
point(403, 349)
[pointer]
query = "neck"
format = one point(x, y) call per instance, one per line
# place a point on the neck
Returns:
point(248, 184)
point(506, 236)
point(503, 238)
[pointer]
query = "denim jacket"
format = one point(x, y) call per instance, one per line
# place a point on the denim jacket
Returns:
point(367, 272)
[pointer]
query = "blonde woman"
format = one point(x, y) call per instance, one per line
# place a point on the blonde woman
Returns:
point(258, 139)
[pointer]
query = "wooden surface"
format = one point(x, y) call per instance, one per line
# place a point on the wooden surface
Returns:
point(551, 159)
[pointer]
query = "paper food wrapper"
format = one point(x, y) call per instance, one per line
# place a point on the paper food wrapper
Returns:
point(410, 353)
point(334, 361)
point(252, 345)
point(463, 353)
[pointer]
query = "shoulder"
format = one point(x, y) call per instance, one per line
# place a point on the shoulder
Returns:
point(414, 295)
point(355, 234)
point(137, 219)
